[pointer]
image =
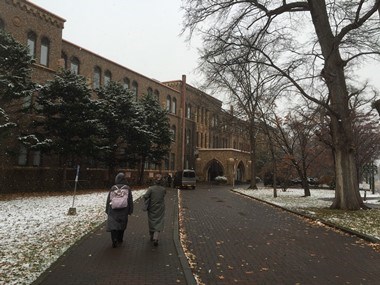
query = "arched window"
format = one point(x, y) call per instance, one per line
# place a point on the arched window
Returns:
point(96, 77)
point(74, 67)
point(32, 38)
point(126, 83)
point(135, 88)
point(174, 106)
point(157, 94)
point(64, 58)
point(44, 56)
point(174, 133)
point(107, 77)
point(2, 25)
point(168, 103)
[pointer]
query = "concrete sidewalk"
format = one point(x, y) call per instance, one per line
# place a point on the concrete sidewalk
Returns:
point(93, 260)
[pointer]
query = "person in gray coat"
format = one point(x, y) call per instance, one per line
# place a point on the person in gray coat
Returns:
point(156, 209)
point(117, 219)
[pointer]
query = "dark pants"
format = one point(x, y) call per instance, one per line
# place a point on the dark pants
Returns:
point(117, 236)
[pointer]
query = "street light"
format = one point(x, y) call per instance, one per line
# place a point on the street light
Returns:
point(234, 173)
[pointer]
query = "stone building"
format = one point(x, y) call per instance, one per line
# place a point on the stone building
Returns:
point(207, 138)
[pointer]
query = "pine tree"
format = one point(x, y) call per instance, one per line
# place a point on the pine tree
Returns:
point(152, 142)
point(68, 126)
point(15, 78)
point(117, 113)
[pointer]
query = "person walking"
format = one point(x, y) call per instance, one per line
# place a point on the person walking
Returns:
point(119, 206)
point(156, 209)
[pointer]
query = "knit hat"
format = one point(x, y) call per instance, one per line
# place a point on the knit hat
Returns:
point(120, 178)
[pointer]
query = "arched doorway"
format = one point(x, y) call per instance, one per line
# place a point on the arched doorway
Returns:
point(214, 169)
point(239, 175)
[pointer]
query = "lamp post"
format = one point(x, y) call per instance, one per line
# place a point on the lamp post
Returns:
point(234, 173)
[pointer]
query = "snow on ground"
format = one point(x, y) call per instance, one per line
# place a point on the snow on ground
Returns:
point(317, 206)
point(35, 231)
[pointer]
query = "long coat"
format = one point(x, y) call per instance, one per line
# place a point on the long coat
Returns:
point(117, 219)
point(156, 210)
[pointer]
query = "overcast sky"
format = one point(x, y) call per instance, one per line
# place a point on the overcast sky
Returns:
point(141, 35)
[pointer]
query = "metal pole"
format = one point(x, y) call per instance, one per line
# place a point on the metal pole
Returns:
point(75, 185)
point(72, 210)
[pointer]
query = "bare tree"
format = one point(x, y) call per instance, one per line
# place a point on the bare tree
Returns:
point(295, 136)
point(248, 85)
point(310, 43)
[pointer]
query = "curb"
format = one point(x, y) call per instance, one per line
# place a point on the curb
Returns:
point(325, 222)
point(190, 280)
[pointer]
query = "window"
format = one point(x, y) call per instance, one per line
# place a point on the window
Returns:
point(74, 67)
point(44, 56)
point(96, 77)
point(107, 77)
point(174, 106)
point(174, 133)
point(157, 94)
point(23, 155)
point(2, 25)
point(32, 37)
point(172, 161)
point(188, 111)
point(37, 158)
point(150, 91)
point(126, 83)
point(168, 103)
point(64, 58)
point(188, 136)
point(135, 88)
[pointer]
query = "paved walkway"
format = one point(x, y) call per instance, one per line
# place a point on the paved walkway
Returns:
point(237, 240)
point(93, 261)
point(231, 239)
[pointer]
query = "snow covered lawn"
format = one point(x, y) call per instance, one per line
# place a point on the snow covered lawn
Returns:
point(36, 230)
point(317, 205)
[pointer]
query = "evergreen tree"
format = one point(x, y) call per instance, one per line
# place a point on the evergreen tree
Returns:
point(117, 113)
point(68, 125)
point(154, 137)
point(15, 77)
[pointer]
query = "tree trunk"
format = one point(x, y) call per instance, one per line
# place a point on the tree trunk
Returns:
point(347, 196)
point(305, 182)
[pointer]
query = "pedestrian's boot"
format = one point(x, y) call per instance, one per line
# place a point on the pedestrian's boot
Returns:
point(155, 238)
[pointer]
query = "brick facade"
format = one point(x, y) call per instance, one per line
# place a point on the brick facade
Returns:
point(204, 131)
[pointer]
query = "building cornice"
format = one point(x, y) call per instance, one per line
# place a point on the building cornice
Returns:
point(39, 12)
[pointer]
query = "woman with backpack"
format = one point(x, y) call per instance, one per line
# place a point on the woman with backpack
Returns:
point(118, 207)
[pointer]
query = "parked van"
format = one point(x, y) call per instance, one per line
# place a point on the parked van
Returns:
point(185, 179)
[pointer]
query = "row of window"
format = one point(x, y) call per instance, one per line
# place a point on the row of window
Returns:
point(101, 79)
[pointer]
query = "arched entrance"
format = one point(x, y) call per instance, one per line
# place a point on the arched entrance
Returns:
point(214, 169)
point(239, 175)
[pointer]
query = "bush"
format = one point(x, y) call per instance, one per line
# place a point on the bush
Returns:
point(221, 179)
